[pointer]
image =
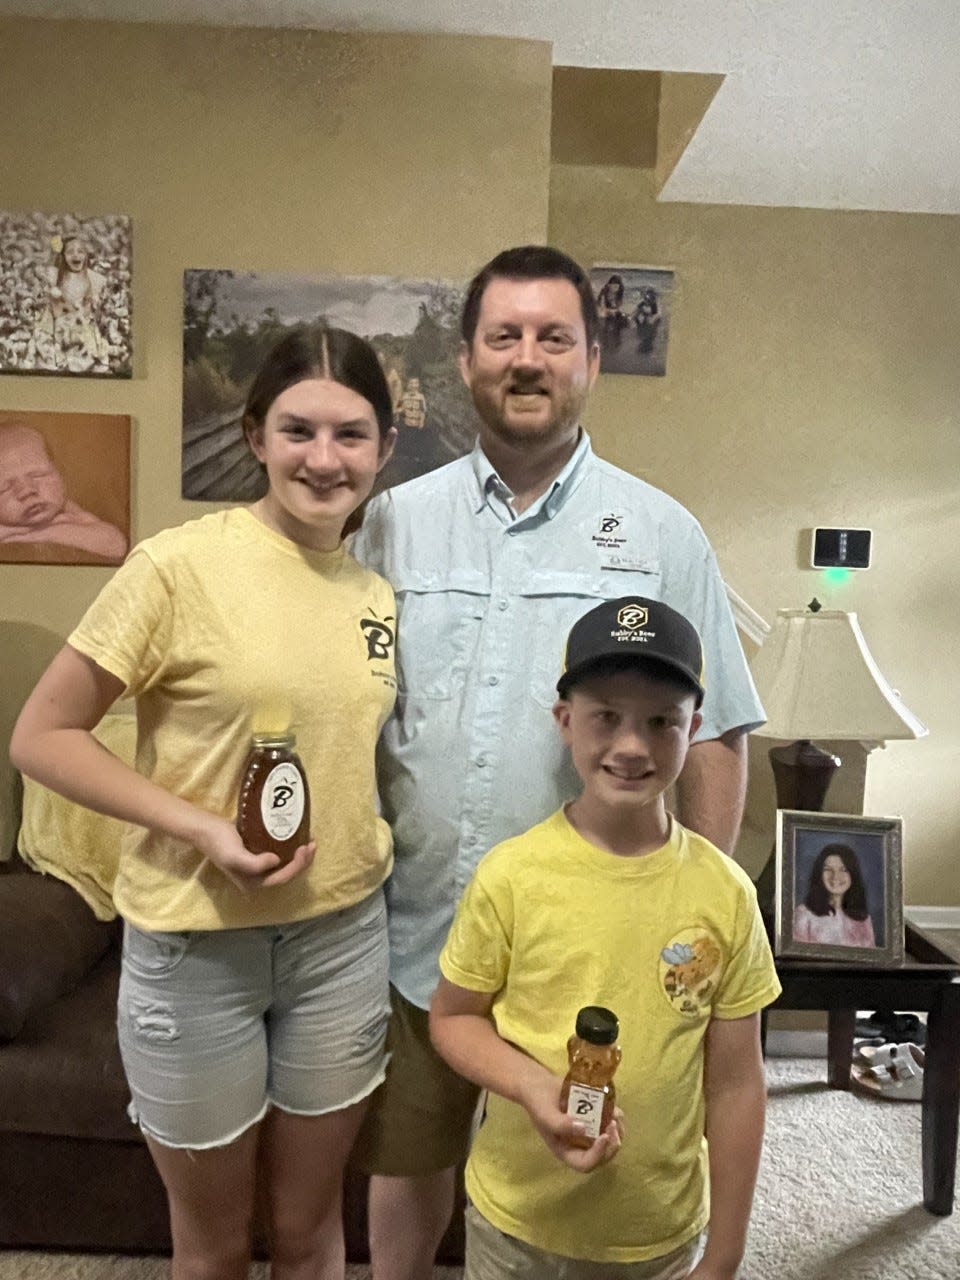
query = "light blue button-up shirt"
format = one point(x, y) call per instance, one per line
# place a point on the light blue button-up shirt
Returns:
point(485, 599)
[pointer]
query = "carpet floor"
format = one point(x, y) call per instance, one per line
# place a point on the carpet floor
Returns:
point(839, 1197)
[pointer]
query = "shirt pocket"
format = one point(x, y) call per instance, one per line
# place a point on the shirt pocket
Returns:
point(559, 599)
point(438, 624)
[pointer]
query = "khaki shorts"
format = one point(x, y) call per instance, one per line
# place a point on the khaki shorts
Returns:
point(492, 1255)
point(421, 1118)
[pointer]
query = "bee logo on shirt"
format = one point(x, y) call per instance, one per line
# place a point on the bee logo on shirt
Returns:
point(610, 524)
point(690, 970)
point(379, 636)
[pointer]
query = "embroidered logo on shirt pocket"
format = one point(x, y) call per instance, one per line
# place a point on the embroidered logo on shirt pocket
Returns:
point(691, 966)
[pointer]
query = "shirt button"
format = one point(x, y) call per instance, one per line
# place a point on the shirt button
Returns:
point(481, 762)
point(493, 679)
point(502, 604)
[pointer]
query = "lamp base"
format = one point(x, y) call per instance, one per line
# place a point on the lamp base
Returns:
point(802, 773)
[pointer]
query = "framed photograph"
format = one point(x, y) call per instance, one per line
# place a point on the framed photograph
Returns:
point(65, 300)
point(64, 488)
point(232, 318)
point(634, 306)
point(839, 887)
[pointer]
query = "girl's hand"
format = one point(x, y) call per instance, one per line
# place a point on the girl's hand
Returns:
point(541, 1100)
point(220, 841)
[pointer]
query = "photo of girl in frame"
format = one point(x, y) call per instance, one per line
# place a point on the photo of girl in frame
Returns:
point(839, 887)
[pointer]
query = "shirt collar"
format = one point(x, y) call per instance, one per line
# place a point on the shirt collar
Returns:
point(491, 489)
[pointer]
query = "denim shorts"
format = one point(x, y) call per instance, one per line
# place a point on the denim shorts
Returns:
point(217, 1026)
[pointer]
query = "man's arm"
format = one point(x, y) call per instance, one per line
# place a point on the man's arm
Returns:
point(735, 1095)
point(463, 1033)
point(712, 788)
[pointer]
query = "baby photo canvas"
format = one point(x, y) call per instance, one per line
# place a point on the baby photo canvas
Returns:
point(64, 487)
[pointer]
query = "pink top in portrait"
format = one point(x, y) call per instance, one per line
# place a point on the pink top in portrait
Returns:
point(836, 929)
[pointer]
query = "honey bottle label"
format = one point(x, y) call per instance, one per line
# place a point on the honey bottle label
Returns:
point(282, 801)
point(586, 1105)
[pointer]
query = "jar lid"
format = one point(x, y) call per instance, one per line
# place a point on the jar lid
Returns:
point(274, 740)
point(597, 1025)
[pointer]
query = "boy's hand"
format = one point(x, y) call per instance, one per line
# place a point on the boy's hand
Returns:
point(541, 1099)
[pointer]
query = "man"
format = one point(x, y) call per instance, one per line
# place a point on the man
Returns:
point(493, 558)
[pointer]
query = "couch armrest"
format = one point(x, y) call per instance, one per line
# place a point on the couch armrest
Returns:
point(49, 938)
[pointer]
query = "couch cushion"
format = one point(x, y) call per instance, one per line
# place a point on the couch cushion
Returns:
point(25, 652)
point(49, 939)
point(71, 842)
point(63, 1075)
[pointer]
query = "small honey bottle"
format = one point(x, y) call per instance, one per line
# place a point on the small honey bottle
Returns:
point(587, 1092)
point(273, 811)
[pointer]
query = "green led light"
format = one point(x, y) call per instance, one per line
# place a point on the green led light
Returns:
point(836, 576)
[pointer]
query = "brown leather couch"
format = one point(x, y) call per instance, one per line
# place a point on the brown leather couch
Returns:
point(74, 1172)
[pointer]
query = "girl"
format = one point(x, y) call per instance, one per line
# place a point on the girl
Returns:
point(68, 334)
point(253, 1002)
point(835, 908)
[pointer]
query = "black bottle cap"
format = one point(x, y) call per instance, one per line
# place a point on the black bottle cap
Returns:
point(597, 1025)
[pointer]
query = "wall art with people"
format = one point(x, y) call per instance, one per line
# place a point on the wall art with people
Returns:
point(65, 294)
point(232, 318)
point(839, 887)
point(634, 305)
point(64, 487)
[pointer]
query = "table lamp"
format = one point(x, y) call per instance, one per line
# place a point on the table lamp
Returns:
point(817, 679)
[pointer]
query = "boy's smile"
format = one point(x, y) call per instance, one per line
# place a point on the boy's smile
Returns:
point(628, 736)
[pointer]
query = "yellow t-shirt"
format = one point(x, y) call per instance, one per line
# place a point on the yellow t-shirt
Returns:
point(223, 628)
point(667, 941)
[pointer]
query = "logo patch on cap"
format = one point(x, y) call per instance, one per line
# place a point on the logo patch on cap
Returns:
point(633, 616)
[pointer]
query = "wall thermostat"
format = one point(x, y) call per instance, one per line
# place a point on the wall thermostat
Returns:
point(841, 548)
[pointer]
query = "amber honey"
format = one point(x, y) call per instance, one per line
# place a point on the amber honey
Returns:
point(588, 1093)
point(273, 810)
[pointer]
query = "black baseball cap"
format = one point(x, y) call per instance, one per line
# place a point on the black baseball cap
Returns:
point(636, 628)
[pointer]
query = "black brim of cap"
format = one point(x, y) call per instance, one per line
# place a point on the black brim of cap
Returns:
point(612, 663)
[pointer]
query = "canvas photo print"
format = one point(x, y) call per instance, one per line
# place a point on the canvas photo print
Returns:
point(65, 294)
point(231, 319)
point(64, 488)
point(634, 308)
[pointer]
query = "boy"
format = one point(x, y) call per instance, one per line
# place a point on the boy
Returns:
point(610, 902)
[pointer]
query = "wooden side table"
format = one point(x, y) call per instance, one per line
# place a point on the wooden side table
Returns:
point(927, 980)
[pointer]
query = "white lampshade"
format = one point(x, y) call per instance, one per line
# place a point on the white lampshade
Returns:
point(817, 679)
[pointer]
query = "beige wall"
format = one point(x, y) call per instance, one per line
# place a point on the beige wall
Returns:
point(812, 378)
point(812, 374)
point(255, 149)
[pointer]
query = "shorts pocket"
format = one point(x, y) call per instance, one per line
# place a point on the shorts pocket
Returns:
point(153, 955)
